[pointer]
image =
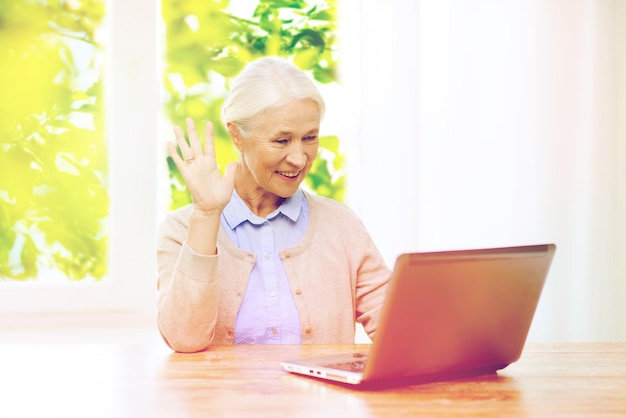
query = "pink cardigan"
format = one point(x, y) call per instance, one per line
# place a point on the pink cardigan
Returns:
point(336, 274)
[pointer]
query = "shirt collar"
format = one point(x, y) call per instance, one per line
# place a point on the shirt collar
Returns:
point(237, 212)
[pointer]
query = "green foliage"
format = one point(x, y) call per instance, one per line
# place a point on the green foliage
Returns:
point(53, 164)
point(208, 45)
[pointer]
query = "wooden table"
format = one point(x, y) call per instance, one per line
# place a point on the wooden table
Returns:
point(150, 381)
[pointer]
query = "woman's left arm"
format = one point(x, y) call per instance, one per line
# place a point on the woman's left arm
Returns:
point(371, 284)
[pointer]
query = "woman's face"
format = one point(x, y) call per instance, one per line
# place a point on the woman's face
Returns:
point(279, 153)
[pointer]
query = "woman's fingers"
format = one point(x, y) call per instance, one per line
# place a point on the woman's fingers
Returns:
point(171, 150)
point(195, 144)
point(209, 189)
point(192, 149)
point(209, 141)
point(182, 144)
point(229, 173)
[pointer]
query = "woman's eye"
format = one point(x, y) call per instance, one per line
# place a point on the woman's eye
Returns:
point(281, 141)
point(310, 138)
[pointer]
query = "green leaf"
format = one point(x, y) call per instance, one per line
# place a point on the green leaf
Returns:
point(324, 15)
point(308, 37)
point(227, 66)
point(307, 58)
point(28, 257)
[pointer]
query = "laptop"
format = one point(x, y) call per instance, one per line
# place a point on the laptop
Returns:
point(446, 315)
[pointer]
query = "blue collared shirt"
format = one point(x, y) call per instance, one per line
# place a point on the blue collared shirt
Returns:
point(268, 314)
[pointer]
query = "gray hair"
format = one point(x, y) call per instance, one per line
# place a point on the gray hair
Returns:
point(265, 84)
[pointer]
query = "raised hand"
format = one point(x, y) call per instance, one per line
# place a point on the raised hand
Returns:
point(210, 191)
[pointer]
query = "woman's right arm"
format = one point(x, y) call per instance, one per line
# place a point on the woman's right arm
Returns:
point(210, 191)
point(187, 284)
point(187, 245)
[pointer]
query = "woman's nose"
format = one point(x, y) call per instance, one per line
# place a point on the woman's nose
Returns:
point(297, 156)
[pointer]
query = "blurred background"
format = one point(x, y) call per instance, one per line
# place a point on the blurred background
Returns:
point(450, 124)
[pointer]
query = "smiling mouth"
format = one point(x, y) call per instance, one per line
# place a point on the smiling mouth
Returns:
point(289, 174)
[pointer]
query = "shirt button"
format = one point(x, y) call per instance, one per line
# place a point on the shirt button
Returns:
point(268, 256)
point(273, 331)
point(266, 223)
point(272, 293)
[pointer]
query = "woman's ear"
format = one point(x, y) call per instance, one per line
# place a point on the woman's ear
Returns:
point(235, 135)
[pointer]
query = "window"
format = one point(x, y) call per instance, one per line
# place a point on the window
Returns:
point(82, 81)
point(54, 185)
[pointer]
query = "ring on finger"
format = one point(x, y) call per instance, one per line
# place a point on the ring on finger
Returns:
point(189, 160)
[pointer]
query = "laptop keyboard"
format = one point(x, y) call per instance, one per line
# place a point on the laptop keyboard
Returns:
point(356, 365)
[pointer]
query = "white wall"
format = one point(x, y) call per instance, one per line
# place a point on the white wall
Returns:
point(489, 123)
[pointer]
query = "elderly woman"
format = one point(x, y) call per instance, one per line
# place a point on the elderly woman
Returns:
point(255, 259)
